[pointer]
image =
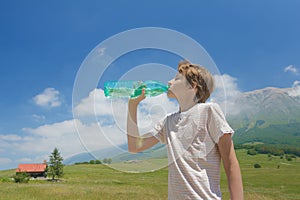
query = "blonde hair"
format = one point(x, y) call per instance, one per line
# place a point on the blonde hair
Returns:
point(198, 77)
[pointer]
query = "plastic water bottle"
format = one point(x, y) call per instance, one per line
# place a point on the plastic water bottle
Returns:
point(132, 89)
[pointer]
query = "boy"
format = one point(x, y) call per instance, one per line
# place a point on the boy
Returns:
point(197, 138)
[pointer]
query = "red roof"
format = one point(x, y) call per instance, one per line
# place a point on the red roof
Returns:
point(31, 168)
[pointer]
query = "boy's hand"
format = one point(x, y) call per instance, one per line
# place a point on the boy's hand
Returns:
point(138, 99)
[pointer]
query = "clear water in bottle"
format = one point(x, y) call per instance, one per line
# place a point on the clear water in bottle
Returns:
point(132, 89)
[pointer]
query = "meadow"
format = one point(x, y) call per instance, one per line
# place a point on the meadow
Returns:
point(276, 179)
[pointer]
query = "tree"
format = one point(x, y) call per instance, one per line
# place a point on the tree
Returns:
point(98, 162)
point(55, 167)
point(107, 160)
point(92, 162)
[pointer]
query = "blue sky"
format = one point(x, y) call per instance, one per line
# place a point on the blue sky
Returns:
point(43, 43)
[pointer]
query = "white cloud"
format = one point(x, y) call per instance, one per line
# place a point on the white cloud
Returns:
point(96, 101)
point(291, 69)
point(53, 130)
point(295, 90)
point(48, 98)
point(226, 92)
point(36, 144)
point(10, 137)
point(296, 84)
point(66, 137)
point(115, 110)
point(38, 118)
point(107, 118)
point(44, 138)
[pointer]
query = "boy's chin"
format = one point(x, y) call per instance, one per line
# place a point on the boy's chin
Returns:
point(171, 95)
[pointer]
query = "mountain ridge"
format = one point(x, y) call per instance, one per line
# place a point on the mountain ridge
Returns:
point(273, 105)
point(263, 109)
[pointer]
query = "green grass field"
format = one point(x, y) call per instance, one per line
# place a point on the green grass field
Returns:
point(102, 182)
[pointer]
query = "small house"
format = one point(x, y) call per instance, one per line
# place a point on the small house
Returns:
point(33, 170)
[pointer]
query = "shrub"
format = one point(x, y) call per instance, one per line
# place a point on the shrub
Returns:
point(251, 152)
point(289, 159)
point(92, 162)
point(22, 177)
point(257, 165)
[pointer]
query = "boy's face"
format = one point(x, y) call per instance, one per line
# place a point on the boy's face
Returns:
point(179, 86)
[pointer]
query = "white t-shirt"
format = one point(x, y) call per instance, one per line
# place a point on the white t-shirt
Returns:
point(193, 156)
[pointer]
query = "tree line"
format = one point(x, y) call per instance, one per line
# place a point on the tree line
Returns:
point(276, 150)
point(92, 162)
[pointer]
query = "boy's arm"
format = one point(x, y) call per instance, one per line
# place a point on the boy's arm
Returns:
point(137, 143)
point(231, 167)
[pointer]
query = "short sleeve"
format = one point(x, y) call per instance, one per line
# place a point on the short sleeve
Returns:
point(217, 124)
point(159, 131)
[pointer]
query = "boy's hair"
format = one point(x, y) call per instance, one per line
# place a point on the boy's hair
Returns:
point(198, 77)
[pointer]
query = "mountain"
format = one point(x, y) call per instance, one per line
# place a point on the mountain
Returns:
point(157, 151)
point(118, 154)
point(270, 115)
point(96, 155)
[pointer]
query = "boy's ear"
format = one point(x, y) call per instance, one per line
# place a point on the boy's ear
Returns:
point(194, 86)
point(191, 86)
point(195, 89)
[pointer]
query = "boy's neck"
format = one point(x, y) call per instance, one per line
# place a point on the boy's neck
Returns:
point(185, 103)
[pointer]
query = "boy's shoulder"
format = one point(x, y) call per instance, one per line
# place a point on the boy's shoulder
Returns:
point(209, 105)
point(210, 108)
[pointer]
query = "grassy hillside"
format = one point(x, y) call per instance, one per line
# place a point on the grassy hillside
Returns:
point(89, 182)
point(269, 181)
point(279, 134)
point(102, 182)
